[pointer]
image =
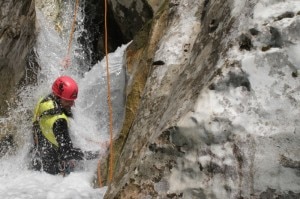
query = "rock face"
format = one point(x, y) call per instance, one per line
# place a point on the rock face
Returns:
point(131, 15)
point(17, 36)
point(199, 122)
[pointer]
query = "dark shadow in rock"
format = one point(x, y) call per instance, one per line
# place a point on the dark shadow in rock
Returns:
point(5, 144)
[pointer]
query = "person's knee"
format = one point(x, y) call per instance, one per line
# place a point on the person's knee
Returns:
point(51, 168)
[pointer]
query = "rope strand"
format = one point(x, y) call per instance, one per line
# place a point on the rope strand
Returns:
point(66, 62)
point(99, 174)
point(111, 158)
point(73, 27)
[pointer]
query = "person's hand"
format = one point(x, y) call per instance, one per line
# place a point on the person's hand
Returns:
point(66, 62)
point(89, 155)
point(71, 164)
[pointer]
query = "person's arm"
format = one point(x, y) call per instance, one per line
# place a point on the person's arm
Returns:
point(66, 149)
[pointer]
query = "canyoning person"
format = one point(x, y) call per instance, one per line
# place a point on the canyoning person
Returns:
point(53, 151)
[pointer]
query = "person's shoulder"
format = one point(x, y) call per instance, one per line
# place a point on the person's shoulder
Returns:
point(46, 104)
point(49, 106)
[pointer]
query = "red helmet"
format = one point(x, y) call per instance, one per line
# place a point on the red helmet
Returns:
point(65, 87)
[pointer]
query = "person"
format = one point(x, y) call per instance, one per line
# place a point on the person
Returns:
point(53, 151)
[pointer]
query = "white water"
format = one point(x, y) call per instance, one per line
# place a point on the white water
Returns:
point(89, 128)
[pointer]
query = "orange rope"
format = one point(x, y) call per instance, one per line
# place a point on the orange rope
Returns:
point(111, 159)
point(73, 26)
point(99, 174)
point(108, 97)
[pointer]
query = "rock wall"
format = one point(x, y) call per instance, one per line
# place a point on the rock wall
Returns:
point(173, 144)
point(17, 36)
point(131, 15)
point(157, 101)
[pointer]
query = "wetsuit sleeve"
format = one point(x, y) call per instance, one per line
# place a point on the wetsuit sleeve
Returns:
point(66, 149)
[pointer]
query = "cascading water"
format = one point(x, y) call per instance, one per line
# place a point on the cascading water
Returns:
point(89, 127)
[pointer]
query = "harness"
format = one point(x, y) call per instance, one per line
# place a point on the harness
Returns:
point(46, 112)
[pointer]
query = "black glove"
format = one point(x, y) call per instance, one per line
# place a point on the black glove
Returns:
point(89, 155)
point(73, 153)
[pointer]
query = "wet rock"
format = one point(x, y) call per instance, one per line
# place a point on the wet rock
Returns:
point(17, 36)
point(245, 42)
point(6, 143)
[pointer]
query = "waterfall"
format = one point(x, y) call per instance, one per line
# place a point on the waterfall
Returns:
point(89, 127)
